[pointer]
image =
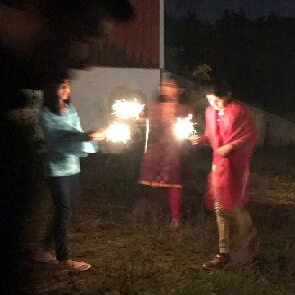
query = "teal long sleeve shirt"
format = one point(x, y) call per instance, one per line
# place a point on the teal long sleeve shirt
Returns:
point(62, 134)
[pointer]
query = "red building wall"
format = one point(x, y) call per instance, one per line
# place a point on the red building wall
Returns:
point(135, 43)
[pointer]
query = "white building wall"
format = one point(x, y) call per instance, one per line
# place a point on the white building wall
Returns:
point(259, 119)
point(279, 131)
point(93, 91)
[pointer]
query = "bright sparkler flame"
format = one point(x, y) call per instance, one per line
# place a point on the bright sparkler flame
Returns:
point(184, 127)
point(118, 132)
point(125, 109)
point(210, 96)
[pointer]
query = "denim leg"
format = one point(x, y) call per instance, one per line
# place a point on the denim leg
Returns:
point(63, 192)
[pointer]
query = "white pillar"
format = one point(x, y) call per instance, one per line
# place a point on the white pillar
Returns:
point(162, 15)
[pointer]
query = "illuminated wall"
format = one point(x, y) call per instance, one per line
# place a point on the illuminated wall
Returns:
point(93, 91)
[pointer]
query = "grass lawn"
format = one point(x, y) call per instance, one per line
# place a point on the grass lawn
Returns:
point(135, 253)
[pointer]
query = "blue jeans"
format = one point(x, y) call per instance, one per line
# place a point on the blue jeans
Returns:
point(65, 191)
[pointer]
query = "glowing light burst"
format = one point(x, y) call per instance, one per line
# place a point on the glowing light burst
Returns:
point(147, 131)
point(118, 132)
point(184, 127)
point(210, 96)
point(125, 109)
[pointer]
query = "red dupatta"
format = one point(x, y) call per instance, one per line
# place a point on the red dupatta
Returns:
point(228, 180)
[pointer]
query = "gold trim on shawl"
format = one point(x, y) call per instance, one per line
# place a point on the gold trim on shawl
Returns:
point(159, 184)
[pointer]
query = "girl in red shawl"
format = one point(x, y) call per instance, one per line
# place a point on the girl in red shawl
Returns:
point(161, 163)
point(232, 136)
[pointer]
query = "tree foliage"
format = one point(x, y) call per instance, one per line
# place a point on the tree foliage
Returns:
point(256, 56)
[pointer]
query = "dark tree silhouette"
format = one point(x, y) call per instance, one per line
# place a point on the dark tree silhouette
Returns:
point(255, 56)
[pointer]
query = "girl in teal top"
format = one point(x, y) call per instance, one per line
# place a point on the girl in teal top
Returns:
point(63, 135)
point(66, 143)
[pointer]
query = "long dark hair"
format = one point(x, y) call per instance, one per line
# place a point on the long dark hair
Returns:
point(183, 97)
point(220, 88)
point(51, 99)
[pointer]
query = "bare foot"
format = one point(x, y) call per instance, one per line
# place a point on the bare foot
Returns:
point(74, 265)
point(175, 224)
point(45, 257)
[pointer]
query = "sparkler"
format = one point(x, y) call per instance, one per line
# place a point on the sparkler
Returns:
point(184, 127)
point(125, 109)
point(118, 132)
point(210, 96)
point(147, 130)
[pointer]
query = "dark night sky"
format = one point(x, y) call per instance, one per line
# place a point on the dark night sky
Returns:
point(212, 9)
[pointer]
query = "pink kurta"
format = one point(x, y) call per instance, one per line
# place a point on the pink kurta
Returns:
point(228, 180)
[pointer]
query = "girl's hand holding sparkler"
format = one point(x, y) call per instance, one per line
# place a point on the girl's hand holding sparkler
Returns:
point(96, 135)
point(198, 139)
point(141, 119)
